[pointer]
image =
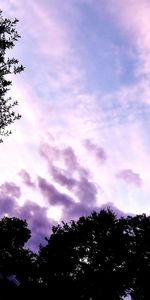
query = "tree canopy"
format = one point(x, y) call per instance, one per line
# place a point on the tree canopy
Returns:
point(14, 258)
point(85, 254)
point(96, 257)
point(8, 66)
point(100, 257)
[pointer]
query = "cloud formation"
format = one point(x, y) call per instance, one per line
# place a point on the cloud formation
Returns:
point(130, 177)
point(137, 27)
point(53, 196)
point(7, 205)
point(35, 215)
point(26, 178)
point(38, 222)
point(10, 189)
point(60, 176)
point(96, 150)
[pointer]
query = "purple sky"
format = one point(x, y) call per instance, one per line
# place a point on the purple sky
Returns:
point(83, 140)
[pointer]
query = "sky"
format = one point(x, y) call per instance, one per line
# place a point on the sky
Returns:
point(83, 140)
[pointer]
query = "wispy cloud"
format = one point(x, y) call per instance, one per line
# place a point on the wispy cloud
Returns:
point(137, 27)
point(130, 177)
point(96, 150)
point(25, 176)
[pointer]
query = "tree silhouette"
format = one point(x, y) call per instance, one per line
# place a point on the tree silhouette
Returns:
point(8, 37)
point(14, 258)
point(89, 255)
point(138, 258)
point(96, 257)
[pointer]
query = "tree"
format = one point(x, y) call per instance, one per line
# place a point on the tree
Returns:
point(99, 257)
point(138, 258)
point(14, 258)
point(8, 37)
point(96, 257)
point(88, 255)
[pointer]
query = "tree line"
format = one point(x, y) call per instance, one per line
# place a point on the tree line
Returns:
point(96, 257)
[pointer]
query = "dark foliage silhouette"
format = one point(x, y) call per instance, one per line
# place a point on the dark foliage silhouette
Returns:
point(8, 66)
point(96, 257)
point(88, 255)
point(15, 260)
point(100, 257)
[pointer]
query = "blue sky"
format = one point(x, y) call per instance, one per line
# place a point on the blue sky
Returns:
point(83, 140)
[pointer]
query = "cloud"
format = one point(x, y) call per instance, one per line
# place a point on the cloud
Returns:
point(10, 189)
point(25, 176)
point(37, 215)
point(61, 177)
point(49, 152)
point(67, 162)
point(9, 196)
point(38, 222)
point(130, 177)
point(7, 205)
point(42, 22)
point(97, 151)
point(52, 152)
point(137, 27)
point(34, 214)
point(86, 191)
point(53, 196)
point(72, 176)
point(70, 159)
point(77, 210)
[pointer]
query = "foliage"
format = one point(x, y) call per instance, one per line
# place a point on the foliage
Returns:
point(86, 254)
point(100, 257)
point(8, 66)
point(96, 257)
point(14, 258)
